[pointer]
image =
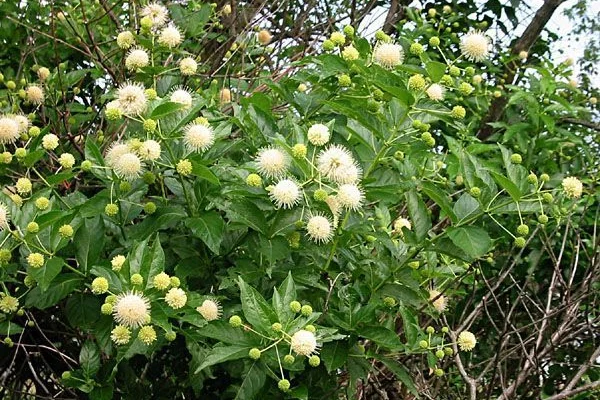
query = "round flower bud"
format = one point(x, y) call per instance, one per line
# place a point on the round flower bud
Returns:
point(338, 38)
point(100, 285)
point(284, 385)
point(148, 177)
point(111, 209)
point(302, 88)
point(29, 281)
point(35, 260)
point(170, 336)
point(314, 361)
point(235, 321)
point(125, 40)
point(306, 310)
point(466, 341)
point(348, 30)
point(448, 350)
point(149, 208)
point(440, 354)
point(523, 230)
point(434, 41)
point(120, 335)
point(382, 36)
point(20, 152)
point(150, 94)
point(254, 353)
point(117, 262)
point(532, 179)
point(516, 158)
point(11, 85)
point(310, 328)
point(66, 160)
point(23, 186)
point(66, 231)
point(161, 281)
point(295, 306)
point(5, 256)
point(137, 279)
point(438, 372)
point(289, 359)
point(430, 330)
point(350, 53)
point(520, 242)
point(175, 282)
point(344, 80)
point(184, 167)
point(50, 141)
point(416, 82)
point(458, 112)
point(149, 125)
point(276, 327)
point(543, 219)
point(454, 71)
point(147, 335)
point(254, 180)
point(572, 187)
point(106, 309)
point(299, 150)
point(423, 344)
point(328, 45)
point(176, 298)
point(66, 375)
point(465, 88)
point(389, 301)
point(416, 49)
point(264, 37)
point(414, 264)
point(320, 195)
point(6, 157)
point(475, 192)
point(33, 227)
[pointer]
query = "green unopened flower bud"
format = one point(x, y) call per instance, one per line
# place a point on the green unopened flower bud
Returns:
point(434, 41)
point(175, 281)
point(33, 227)
point(235, 321)
point(42, 203)
point(516, 158)
point(328, 45)
point(543, 219)
point(66, 231)
point(170, 336)
point(470, 71)
point(99, 285)
point(20, 152)
point(416, 49)
point(458, 112)
point(320, 195)
point(150, 208)
point(86, 166)
point(440, 354)
point(532, 179)
point(544, 178)
point(459, 180)
point(438, 372)
point(111, 209)
point(306, 310)
point(299, 150)
point(149, 178)
point(373, 105)
point(454, 70)
point(184, 167)
point(465, 88)
point(34, 131)
point(382, 36)
point(448, 351)
point(295, 306)
point(399, 155)
point(523, 230)
point(430, 330)
point(416, 83)
point(276, 327)
point(288, 359)
point(283, 385)
point(35, 260)
point(414, 264)
point(302, 88)
point(389, 301)
point(29, 281)
point(344, 80)
point(349, 31)
point(5, 256)
point(314, 361)
point(124, 187)
point(150, 125)
point(137, 279)
point(378, 94)
point(254, 180)
point(254, 353)
point(447, 80)
point(475, 191)
point(338, 38)
point(106, 308)
point(66, 375)
point(547, 197)
point(151, 94)
point(11, 85)
point(520, 242)
point(423, 344)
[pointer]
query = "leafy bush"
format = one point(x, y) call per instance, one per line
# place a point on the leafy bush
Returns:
point(289, 236)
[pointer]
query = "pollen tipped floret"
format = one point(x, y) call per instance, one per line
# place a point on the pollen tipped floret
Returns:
point(183, 97)
point(8, 303)
point(120, 335)
point(176, 298)
point(128, 166)
point(157, 13)
point(572, 187)
point(466, 341)
point(439, 303)
point(318, 134)
point(435, 92)
point(147, 335)
point(4, 217)
point(161, 281)
point(131, 309)
point(132, 98)
point(170, 36)
point(115, 152)
point(137, 58)
point(149, 150)
point(401, 223)
point(319, 229)
point(125, 39)
point(210, 310)
point(304, 343)
point(388, 55)
point(272, 162)
point(198, 137)
point(336, 164)
point(285, 194)
point(475, 46)
point(9, 130)
point(350, 196)
point(188, 66)
point(35, 94)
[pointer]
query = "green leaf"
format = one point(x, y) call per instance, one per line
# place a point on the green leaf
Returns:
point(114, 283)
point(209, 228)
point(473, 240)
point(222, 331)
point(202, 171)
point(165, 109)
point(81, 310)
point(410, 325)
point(334, 354)
point(256, 310)
point(89, 359)
point(45, 275)
point(8, 328)
point(89, 242)
point(163, 218)
point(401, 373)
point(440, 198)
point(102, 393)
point(382, 336)
point(221, 354)
point(435, 70)
point(282, 299)
point(274, 249)
point(146, 261)
point(61, 287)
point(465, 207)
point(246, 213)
point(254, 379)
point(507, 185)
point(419, 216)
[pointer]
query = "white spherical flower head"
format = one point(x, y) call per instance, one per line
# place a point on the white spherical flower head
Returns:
point(137, 58)
point(198, 137)
point(475, 46)
point(350, 196)
point(435, 92)
point(304, 343)
point(125, 39)
point(131, 309)
point(9, 130)
point(466, 341)
point(149, 150)
point(128, 166)
point(402, 223)
point(319, 229)
point(115, 152)
point(210, 310)
point(176, 298)
point(183, 97)
point(188, 66)
point(388, 55)
point(318, 134)
point(272, 162)
point(132, 98)
point(170, 37)
point(285, 194)
point(157, 13)
point(4, 217)
point(35, 94)
point(572, 187)
point(336, 163)
point(50, 141)
point(439, 303)
point(23, 122)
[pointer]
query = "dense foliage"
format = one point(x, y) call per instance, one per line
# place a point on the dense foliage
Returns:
point(291, 221)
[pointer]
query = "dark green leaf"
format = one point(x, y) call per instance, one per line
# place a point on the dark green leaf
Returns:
point(440, 198)
point(209, 228)
point(419, 216)
point(47, 273)
point(334, 354)
point(435, 70)
point(256, 310)
point(89, 242)
point(254, 379)
point(89, 359)
point(465, 207)
point(402, 373)
point(221, 354)
point(62, 286)
point(473, 240)
point(82, 310)
point(382, 336)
